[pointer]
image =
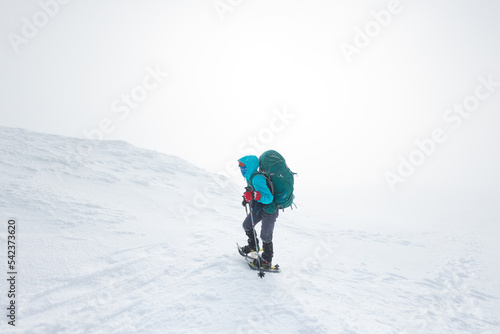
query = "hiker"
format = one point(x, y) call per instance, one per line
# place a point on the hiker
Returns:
point(262, 207)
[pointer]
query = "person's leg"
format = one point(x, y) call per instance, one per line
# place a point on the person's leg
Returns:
point(247, 223)
point(266, 234)
point(251, 234)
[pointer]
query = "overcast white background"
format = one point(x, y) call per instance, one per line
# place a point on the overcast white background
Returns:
point(231, 67)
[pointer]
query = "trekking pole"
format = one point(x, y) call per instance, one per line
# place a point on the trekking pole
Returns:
point(261, 273)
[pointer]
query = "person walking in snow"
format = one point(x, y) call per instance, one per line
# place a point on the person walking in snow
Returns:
point(262, 207)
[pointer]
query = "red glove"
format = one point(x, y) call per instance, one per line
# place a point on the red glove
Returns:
point(250, 195)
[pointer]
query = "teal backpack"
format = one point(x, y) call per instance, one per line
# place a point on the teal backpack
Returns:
point(279, 178)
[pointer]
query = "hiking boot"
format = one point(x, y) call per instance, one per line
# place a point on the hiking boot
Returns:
point(266, 257)
point(251, 247)
point(268, 253)
point(263, 263)
point(247, 249)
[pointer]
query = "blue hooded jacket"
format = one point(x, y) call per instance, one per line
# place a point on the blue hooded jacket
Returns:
point(259, 182)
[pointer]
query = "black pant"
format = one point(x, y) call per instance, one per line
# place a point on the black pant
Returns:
point(268, 220)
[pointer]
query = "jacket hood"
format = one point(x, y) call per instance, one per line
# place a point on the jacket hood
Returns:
point(252, 164)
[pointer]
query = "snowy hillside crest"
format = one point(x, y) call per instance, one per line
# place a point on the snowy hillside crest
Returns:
point(127, 240)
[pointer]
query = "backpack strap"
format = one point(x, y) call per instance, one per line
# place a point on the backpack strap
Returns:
point(269, 183)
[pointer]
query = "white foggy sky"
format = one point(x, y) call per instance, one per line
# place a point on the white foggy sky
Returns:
point(227, 77)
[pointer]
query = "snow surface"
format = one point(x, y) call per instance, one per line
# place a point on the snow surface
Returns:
point(117, 239)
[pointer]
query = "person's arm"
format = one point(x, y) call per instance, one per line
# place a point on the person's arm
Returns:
point(262, 192)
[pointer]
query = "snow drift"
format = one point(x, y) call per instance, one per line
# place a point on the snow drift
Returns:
point(116, 239)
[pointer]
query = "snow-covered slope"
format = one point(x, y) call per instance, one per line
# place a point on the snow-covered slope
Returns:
point(116, 239)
